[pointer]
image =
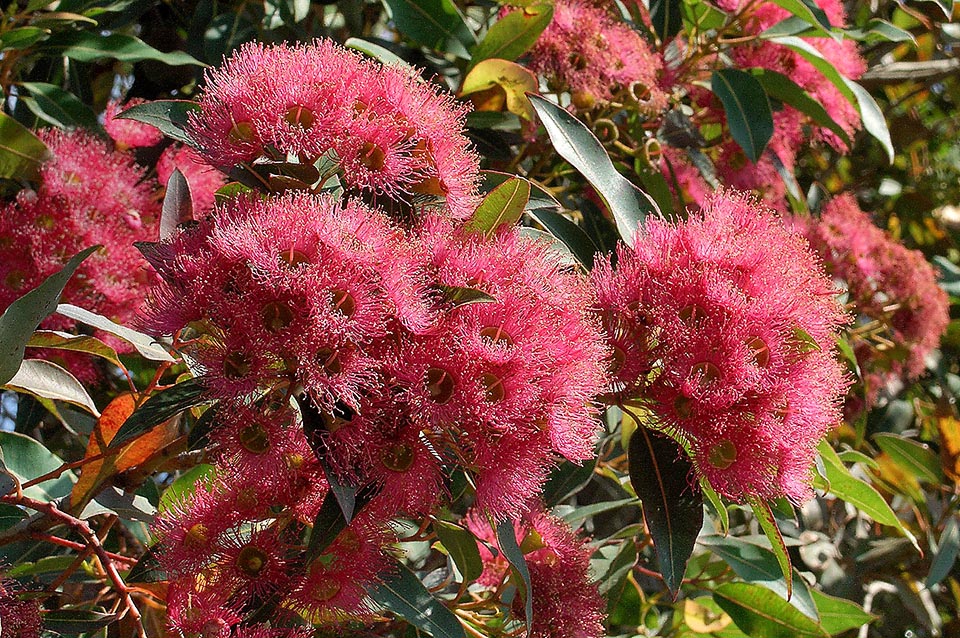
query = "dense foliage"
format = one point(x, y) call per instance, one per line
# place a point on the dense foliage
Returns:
point(546, 318)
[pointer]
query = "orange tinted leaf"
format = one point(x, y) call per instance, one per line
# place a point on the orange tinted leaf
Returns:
point(949, 428)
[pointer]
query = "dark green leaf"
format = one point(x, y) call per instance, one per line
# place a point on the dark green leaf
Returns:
point(170, 116)
point(75, 343)
point(780, 87)
point(462, 296)
point(144, 344)
point(22, 37)
point(946, 556)
point(27, 458)
point(566, 480)
point(666, 18)
point(760, 613)
point(660, 473)
point(583, 512)
point(461, 546)
point(513, 34)
point(327, 525)
point(436, 24)
point(619, 567)
point(10, 515)
point(502, 206)
point(58, 107)
point(858, 493)
point(578, 145)
point(375, 51)
point(403, 594)
point(915, 458)
point(507, 541)
point(72, 622)
point(90, 46)
point(757, 564)
point(23, 316)
point(572, 236)
point(45, 379)
point(160, 408)
point(747, 109)
point(809, 12)
point(838, 615)
point(768, 524)
point(177, 205)
point(21, 152)
point(147, 569)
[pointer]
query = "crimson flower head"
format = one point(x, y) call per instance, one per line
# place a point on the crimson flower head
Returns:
point(127, 133)
point(725, 324)
point(397, 140)
point(889, 286)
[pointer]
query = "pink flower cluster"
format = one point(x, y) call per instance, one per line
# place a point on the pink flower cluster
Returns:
point(589, 51)
point(354, 313)
point(86, 195)
point(566, 603)
point(393, 136)
point(902, 312)
point(724, 325)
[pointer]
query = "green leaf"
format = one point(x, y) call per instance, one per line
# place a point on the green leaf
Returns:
point(403, 594)
point(144, 344)
point(718, 506)
point(572, 236)
point(377, 52)
point(436, 24)
point(462, 296)
point(768, 524)
point(503, 206)
point(946, 556)
point(21, 152)
point(881, 30)
point(540, 198)
point(747, 108)
point(461, 546)
point(10, 515)
point(73, 622)
point(23, 316)
point(915, 458)
point(838, 615)
point(42, 378)
point(75, 343)
point(809, 12)
point(159, 408)
point(90, 46)
point(58, 107)
point(169, 116)
point(147, 569)
point(870, 113)
point(22, 38)
point(583, 512)
point(660, 473)
point(757, 564)
point(327, 525)
point(760, 613)
point(859, 493)
point(185, 485)
point(566, 480)
point(27, 459)
point(578, 145)
point(666, 17)
point(507, 541)
point(780, 87)
point(177, 205)
point(513, 34)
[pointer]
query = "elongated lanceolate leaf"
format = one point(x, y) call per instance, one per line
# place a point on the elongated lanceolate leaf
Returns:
point(58, 107)
point(73, 622)
point(382, 54)
point(26, 459)
point(177, 205)
point(747, 108)
point(161, 407)
point(838, 615)
point(780, 87)
point(514, 33)
point(768, 524)
point(403, 594)
point(502, 206)
point(666, 18)
point(437, 24)
point(23, 316)
point(146, 345)
point(43, 378)
point(760, 613)
point(507, 541)
point(57, 340)
point(947, 551)
point(660, 473)
point(90, 46)
point(914, 457)
point(21, 152)
point(461, 546)
point(170, 116)
point(578, 145)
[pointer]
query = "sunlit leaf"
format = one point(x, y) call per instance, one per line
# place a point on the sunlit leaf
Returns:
point(461, 546)
point(747, 109)
point(46, 379)
point(760, 613)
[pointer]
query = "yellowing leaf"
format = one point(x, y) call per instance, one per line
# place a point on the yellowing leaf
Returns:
point(493, 80)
